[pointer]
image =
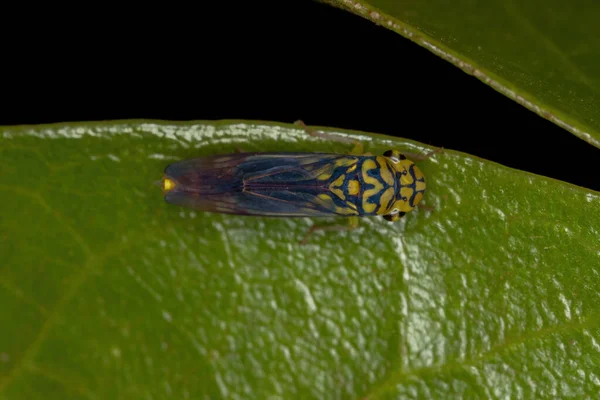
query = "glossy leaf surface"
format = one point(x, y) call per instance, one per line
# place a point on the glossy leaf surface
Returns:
point(542, 54)
point(107, 292)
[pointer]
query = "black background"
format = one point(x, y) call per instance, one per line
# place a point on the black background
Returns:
point(276, 61)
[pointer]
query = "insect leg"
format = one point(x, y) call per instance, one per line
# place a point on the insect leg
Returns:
point(358, 146)
point(353, 224)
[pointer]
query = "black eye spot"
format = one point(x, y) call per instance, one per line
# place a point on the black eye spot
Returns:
point(401, 214)
point(388, 153)
point(402, 157)
point(404, 172)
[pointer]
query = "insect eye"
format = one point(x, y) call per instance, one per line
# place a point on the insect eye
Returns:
point(394, 155)
point(394, 215)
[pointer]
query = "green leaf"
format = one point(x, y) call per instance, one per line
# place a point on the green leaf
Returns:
point(542, 54)
point(108, 292)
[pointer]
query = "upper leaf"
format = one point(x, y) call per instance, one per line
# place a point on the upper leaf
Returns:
point(542, 54)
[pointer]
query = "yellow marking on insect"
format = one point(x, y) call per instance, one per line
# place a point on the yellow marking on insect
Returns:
point(406, 179)
point(401, 204)
point(328, 170)
point(338, 192)
point(352, 168)
point(385, 199)
point(384, 171)
point(168, 185)
point(351, 205)
point(324, 176)
point(418, 198)
point(327, 201)
point(418, 173)
point(347, 162)
point(346, 211)
point(406, 192)
point(377, 186)
point(335, 187)
point(420, 186)
point(339, 181)
point(325, 197)
point(368, 207)
point(353, 187)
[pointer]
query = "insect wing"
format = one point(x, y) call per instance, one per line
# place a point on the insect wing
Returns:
point(269, 184)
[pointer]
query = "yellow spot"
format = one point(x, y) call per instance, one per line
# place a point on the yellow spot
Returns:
point(168, 185)
point(325, 197)
point(324, 176)
point(353, 187)
point(352, 168)
point(385, 199)
point(338, 193)
point(339, 181)
point(351, 205)
point(368, 207)
point(420, 186)
point(385, 172)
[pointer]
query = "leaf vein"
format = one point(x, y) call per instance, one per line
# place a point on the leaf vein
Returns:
point(26, 361)
point(38, 198)
point(549, 44)
point(402, 376)
point(18, 293)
